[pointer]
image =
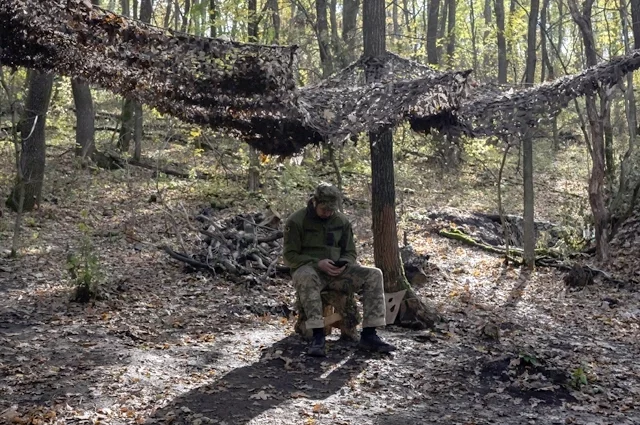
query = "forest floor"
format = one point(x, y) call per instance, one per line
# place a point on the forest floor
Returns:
point(169, 346)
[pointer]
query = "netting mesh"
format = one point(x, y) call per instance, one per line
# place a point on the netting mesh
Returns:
point(250, 89)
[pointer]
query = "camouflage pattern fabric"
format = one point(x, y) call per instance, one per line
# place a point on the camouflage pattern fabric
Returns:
point(309, 281)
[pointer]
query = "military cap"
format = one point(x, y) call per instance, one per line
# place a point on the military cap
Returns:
point(328, 195)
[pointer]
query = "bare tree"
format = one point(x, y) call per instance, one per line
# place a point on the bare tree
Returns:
point(597, 199)
point(31, 162)
point(527, 145)
point(413, 311)
point(432, 32)
point(502, 43)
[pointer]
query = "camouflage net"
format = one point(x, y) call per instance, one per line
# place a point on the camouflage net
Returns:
point(490, 110)
point(250, 89)
point(197, 79)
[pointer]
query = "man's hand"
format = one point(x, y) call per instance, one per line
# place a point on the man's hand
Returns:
point(329, 268)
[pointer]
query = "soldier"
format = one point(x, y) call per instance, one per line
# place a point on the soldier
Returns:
point(319, 248)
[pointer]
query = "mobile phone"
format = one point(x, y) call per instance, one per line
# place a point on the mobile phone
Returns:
point(340, 263)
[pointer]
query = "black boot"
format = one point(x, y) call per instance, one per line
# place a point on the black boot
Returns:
point(370, 341)
point(316, 349)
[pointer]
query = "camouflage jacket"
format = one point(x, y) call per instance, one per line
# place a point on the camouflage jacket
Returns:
point(309, 239)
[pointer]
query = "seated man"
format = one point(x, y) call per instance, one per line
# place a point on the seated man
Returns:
point(319, 248)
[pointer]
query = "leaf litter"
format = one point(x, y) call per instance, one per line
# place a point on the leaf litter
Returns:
point(166, 346)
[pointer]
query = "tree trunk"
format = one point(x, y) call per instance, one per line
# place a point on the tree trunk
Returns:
point(213, 18)
point(185, 16)
point(474, 41)
point(413, 311)
point(336, 47)
point(397, 29)
point(275, 19)
point(146, 12)
point(137, 131)
point(529, 256)
point(596, 179)
point(322, 34)
point(451, 33)
point(85, 115)
point(167, 16)
point(124, 4)
point(502, 42)
point(349, 24)
point(127, 124)
point(486, 50)
point(253, 183)
point(543, 40)
point(134, 8)
point(126, 117)
point(624, 183)
point(442, 29)
point(432, 32)
point(30, 174)
point(85, 119)
point(635, 19)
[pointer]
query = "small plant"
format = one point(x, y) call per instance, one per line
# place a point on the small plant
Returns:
point(578, 378)
point(84, 268)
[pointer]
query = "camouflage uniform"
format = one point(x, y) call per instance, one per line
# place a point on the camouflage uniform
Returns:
point(309, 239)
point(309, 281)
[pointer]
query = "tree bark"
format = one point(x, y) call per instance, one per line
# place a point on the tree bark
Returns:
point(85, 115)
point(124, 4)
point(635, 19)
point(185, 16)
point(624, 183)
point(167, 16)
point(442, 28)
point(336, 46)
point(597, 200)
point(486, 50)
point(85, 119)
point(451, 33)
point(31, 165)
point(349, 24)
point(527, 145)
point(474, 40)
point(272, 5)
point(543, 40)
point(213, 18)
point(502, 42)
point(253, 181)
point(432, 32)
point(127, 125)
point(413, 311)
point(322, 34)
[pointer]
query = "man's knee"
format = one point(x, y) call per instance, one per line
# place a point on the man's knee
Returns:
point(369, 278)
point(306, 278)
point(375, 278)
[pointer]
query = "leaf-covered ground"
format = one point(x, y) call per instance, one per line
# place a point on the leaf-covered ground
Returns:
point(168, 346)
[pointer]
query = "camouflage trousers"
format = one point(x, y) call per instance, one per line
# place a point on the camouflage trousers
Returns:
point(309, 281)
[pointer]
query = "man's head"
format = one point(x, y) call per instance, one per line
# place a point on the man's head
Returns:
point(326, 200)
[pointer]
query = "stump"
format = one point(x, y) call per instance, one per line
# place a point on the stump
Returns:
point(339, 310)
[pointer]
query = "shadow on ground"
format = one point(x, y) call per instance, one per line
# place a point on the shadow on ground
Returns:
point(282, 373)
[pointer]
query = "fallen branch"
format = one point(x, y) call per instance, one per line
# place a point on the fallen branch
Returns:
point(185, 259)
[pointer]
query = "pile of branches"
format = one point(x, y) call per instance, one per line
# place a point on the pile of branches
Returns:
point(247, 245)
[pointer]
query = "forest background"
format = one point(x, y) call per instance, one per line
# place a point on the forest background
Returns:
point(84, 219)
